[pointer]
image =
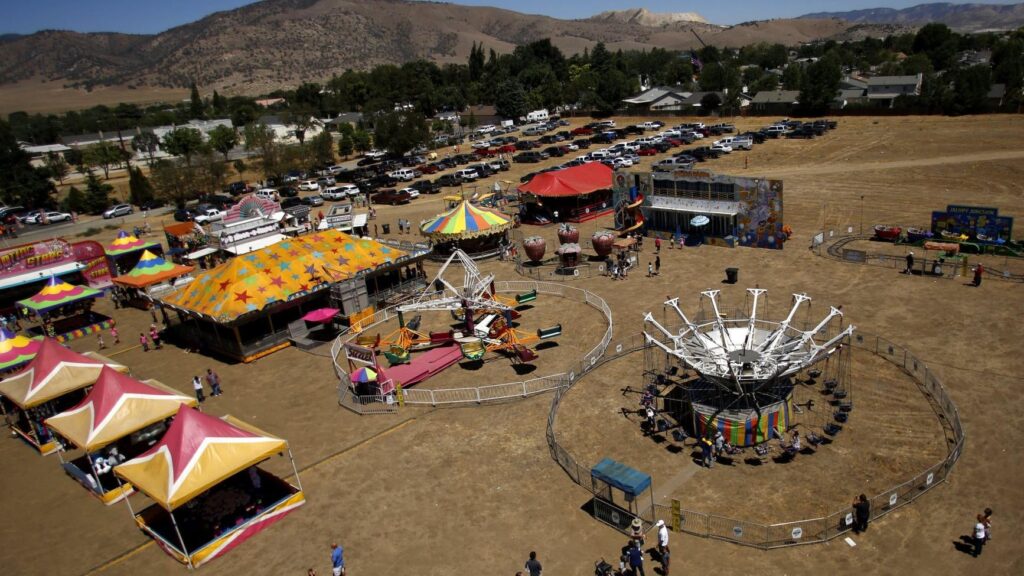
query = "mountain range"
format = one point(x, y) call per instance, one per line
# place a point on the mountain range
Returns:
point(280, 43)
point(960, 17)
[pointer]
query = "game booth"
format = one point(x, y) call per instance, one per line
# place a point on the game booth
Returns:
point(576, 194)
point(64, 311)
point(242, 308)
point(184, 238)
point(472, 229)
point(16, 350)
point(209, 493)
point(618, 490)
point(118, 419)
point(151, 275)
point(124, 252)
point(26, 268)
point(55, 380)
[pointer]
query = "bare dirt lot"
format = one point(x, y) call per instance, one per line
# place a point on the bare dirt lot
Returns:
point(472, 490)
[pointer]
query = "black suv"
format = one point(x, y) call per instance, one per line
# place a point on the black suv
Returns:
point(448, 180)
point(425, 186)
point(527, 157)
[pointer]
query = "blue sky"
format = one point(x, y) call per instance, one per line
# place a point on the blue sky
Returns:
point(150, 16)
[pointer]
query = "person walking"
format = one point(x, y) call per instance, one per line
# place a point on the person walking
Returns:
point(152, 312)
point(978, 271)
point(705, 452)
point(154, 335)
point(663, 551)
point(213, 380)
point(988, 524)
point(910, 263)
point(650, 269)
point(144, 341)
point(337, 560)
point(99, 340)
point(197, 385)
point(657, 265)
point(979, 535)
point(115, 335)
point(636, 560)
point(533, 565)
point(657, 244)
point(861, 514)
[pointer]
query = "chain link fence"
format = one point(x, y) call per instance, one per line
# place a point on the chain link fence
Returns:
point(792, 533)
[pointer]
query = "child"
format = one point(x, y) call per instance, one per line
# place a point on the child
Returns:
point(114, 335)
point(144, 341)
point(154, 335)
point(650, 269)
point(99, 340)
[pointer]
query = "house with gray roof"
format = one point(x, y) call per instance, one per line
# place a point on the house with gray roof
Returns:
point(659, 98)
point(775, 101)
point(885, 89)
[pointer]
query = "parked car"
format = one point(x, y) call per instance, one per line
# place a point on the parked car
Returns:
point(309, 185)
point(48, 218)
point(412, 192)
point(117, 210)
point(291, 203)
point(390, 196)
point(208, 215)
point(482, 170)
point(527, 157)
point(236, 188)
point(425, 186)
point(502, 165)
point(333, 193)
point(311, 200)
point(267, 194)
point(449, 180)
point(468, 174)
point(324, 181)
point(287, 192)
point(720, 147)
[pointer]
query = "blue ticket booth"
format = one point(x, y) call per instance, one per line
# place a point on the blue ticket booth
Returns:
point(621, 494)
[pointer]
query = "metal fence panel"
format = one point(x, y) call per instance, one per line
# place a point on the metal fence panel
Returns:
point(738, 531)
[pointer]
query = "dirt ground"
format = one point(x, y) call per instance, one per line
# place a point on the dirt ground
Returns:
point(473, 490)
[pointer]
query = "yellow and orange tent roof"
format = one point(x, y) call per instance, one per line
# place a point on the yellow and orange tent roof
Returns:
point(197, 452)
point(54, 372)
point(151, 269)
point(117, 406)
point(282, 272)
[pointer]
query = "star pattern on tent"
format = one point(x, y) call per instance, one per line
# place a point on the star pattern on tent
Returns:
point(293, 253)
point(311, 269)
point(224, 285)
point(242, 296)
point(262, 289)
point(342, 260)
point(278, 281)
point(275, 256)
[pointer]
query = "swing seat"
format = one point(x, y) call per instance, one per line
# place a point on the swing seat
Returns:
point(552, 332)
point(397, 355)
point(368, 340)
point(524, 354)
point(437, 338)
point(526, 297)
point(473, 350)
point(414, 324)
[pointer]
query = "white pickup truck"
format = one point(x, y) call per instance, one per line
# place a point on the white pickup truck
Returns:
point(209, 215)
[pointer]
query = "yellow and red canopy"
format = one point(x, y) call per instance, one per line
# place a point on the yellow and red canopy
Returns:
point(54, 372)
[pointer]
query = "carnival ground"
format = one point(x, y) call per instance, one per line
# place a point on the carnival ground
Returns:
point(472, 490)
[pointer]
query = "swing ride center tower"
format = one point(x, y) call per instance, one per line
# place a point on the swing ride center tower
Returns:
point(744, 366)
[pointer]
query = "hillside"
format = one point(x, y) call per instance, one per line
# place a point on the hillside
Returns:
point(280, 43)
point(645, 17)
point(961, 17)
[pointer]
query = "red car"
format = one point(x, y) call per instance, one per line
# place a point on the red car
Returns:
point(427, 168)
point(508, 149)
point(484, 152)
point(582, 131)
point(646, 151)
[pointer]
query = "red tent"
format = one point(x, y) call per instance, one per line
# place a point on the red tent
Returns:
point(574, 181)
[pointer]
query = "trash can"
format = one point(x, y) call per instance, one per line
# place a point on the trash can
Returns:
point(386, 228)
point(731, 275)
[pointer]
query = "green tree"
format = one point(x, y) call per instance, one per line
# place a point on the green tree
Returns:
point(239, 166)
point(195, 104)
point(970, 86)
point(362, 141)
point(793, 77)
point(74, 202)
point(76, 158)
point(211, 172)
point(20, 182)
point(223, 139)
point(103, 155)
point(57, 166)
point(821, 85)
point(140, 190)
point(97, 194)
point(400, 132)
point(260, 138)
point(146, 142)
point(938, 42)
point(243, 115)
point(184, 142)
point(710, 102)
point(174, 181)
point(345, 145)
point(510, 100)
point(322, 149)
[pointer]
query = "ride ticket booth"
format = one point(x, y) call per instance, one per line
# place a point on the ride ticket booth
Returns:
point(621, 494)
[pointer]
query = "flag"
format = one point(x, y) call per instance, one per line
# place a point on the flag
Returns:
point(695, 61)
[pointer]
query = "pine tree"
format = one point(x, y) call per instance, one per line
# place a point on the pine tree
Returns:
point(195, 107)
point(96, 194)
point(140, 190)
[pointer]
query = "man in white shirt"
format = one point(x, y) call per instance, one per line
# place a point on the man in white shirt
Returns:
point(979, 535)
point(663, 551)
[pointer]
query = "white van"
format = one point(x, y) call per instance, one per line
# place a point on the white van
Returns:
point(403, 174)
point(468, 174)
point(332, 193)
point(309, 185)
point(538, 116)
point(266, 194)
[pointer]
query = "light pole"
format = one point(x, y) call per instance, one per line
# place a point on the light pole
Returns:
point(861, 214)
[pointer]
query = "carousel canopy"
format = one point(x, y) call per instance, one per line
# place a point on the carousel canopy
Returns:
point(574, 181)
point(151, 269)
point(282, 272)
point(16, 349)
point(197, 452)
point(126, 243)
point(57, 293)
point(54, 372)
point(117, 406)
point(465, 221)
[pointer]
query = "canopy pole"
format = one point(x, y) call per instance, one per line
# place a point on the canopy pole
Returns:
point(92, 471)
point(127, 500)
point(184, 550)
point(294, 469)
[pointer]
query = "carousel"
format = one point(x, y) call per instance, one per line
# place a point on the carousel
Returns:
point(64, 311)
point(55, 380)
point(209, 493)
point(151, 275)
point(119, 419)
point(476, 231)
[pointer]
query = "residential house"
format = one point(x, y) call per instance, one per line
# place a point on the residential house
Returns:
point(847, 96)
point(883, 90)
point(853, 83)
point(658, 99)
point(350, 118)
point(284, 132)
point(775, 101)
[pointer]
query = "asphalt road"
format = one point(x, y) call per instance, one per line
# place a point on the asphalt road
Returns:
point(29, 232)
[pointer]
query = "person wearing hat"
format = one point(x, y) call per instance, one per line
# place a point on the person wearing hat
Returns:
point(910, 262)
point(637, 532)
point(663, 551)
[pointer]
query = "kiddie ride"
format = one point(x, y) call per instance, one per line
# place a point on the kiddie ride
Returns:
point(487, 318)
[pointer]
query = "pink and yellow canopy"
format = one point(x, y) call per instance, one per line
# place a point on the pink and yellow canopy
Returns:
point(152, 269)
point(465, 221)
point(197, 452)
point(57, 293)
point(54, 372)
point(126, 242)
point(16, 349)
